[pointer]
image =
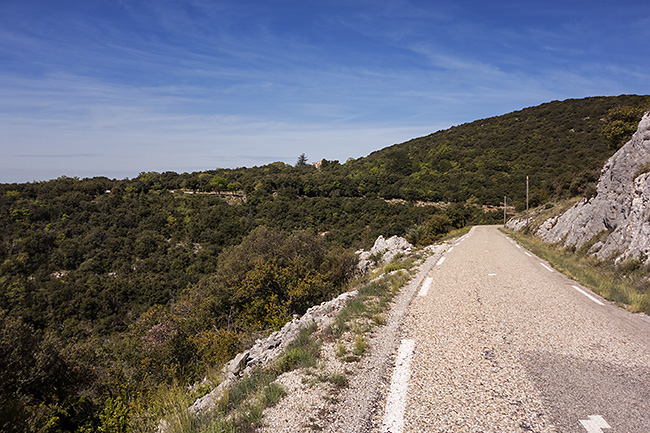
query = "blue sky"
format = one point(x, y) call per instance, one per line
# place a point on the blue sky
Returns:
point(117, 87)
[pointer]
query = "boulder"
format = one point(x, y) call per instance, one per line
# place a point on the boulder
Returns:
point(386, 249)
point(392, 244)
point(516, 224)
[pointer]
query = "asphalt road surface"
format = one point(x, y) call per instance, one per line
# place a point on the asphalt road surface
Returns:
point(496, 341)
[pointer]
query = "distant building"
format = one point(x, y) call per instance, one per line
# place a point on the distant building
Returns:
point(317, 164)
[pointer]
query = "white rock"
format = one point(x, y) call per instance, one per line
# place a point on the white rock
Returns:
point(621, 206)
point(267, 349)
point(380, 246)
point(387, 249)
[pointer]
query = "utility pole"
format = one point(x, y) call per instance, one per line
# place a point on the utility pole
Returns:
point(526, 202)
point(504, 210)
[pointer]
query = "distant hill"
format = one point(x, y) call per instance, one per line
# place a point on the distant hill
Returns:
point(560, 145)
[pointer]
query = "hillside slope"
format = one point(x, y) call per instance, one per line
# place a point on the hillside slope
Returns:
point(615, 222)
point(560, 145)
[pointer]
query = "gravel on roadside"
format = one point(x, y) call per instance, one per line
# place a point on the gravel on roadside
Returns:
point(316, 405)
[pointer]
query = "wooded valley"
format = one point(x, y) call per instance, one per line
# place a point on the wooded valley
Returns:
point(113, 289)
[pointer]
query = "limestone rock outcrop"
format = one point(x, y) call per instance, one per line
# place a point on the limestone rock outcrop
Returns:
point(266, 350)
point(619, 213)
point(387, 249)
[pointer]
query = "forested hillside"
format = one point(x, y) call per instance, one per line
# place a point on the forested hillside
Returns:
point(560, 145)
point(112, 289)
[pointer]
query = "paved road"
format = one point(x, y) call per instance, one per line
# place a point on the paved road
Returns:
point(501, 343)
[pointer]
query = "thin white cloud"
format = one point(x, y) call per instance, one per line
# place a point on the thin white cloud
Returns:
point(114, 129)
point(202, 145)
point(181, 84)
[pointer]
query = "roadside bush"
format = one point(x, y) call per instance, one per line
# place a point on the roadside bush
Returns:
point(272, 275)
point(216, 346)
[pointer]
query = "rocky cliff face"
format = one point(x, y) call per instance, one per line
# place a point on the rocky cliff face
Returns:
point(617, 218)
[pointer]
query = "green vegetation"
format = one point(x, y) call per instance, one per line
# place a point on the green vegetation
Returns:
point(114, 292)
point(121, 288)
point(620, 123)
point(360, 345)
point(337, 379)
point(366, 311)
point(560, 145)
point(626, 284)
point(241, 406)
point(302, 353)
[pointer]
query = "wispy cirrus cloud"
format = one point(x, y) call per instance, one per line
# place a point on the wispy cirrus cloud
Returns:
point(130, 85)
point(116, 129)
point(79, 155)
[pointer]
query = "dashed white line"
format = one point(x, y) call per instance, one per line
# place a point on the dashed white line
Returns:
point(441, 261)
point(517, 245)
point(396, 402)
point(425, 287)
point(528, 254)
point(588, 295)
point(595, 424)
point(450, 249)
point(547, 267)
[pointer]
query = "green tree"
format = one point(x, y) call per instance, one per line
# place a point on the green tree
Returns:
point(218, 183)
point(115, 417)
point(620, 123)
point(302, 161)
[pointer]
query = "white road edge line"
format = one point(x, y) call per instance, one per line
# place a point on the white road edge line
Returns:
point(528, 254)
point(588, 295)
point(547, 267)
point(425, 286)
point(441, 261)
point(396, 402)
point(450, 249)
